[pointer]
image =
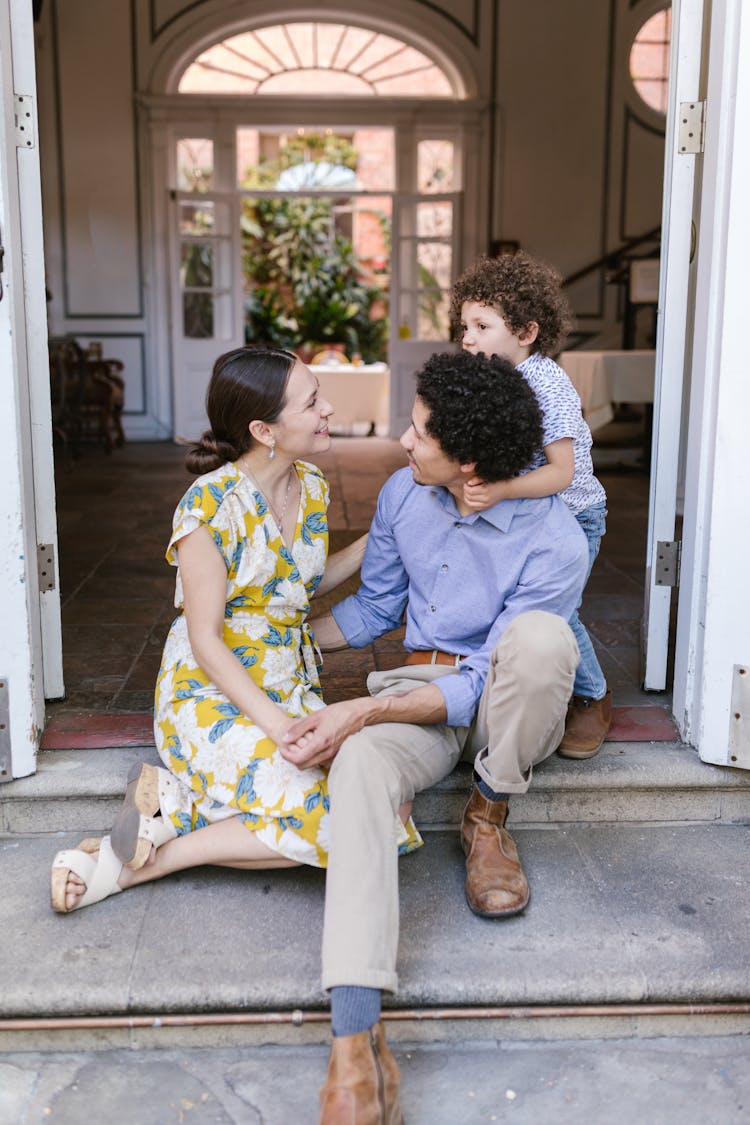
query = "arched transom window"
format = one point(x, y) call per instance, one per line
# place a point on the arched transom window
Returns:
point(316, 58)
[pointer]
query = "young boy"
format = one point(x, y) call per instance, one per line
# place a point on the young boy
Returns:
point(513, 306)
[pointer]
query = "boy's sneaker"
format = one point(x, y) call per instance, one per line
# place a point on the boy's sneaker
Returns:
point(586, 726)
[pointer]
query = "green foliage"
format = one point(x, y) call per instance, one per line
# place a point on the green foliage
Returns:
point(303, 283)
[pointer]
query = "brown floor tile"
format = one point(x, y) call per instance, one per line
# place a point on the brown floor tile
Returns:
point(84, 610)
point(104, 639)
point(142, 700)
point(615, 634)
point(143, 675)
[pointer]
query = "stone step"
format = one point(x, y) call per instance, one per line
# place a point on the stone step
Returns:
point(80, 790)
point(631, 930)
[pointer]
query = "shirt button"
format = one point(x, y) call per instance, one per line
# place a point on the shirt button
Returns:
point(444, 567)
point(433, 609)
point(457, 523)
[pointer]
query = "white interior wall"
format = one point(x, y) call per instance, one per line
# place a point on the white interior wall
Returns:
point(98, 256)
point(581, 156)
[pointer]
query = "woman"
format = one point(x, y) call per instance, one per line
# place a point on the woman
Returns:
point(249, 540)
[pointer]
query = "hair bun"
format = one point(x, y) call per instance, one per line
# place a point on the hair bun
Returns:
point(208, 453)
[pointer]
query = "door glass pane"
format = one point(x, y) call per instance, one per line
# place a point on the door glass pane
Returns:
point(195, 164)
point(197, 218)
point(197, 265)
point(435, 164)
point(435, 220)
point(424, 314)
point(433, 315)
point(434, 265)
point(197, 316)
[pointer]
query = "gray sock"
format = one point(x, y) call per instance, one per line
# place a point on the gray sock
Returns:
point(354, 1009)
point(485, 790)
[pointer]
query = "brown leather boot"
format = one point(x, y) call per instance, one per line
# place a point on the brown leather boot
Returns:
point(586, 726)
point(362, 1083)
point(496, 886)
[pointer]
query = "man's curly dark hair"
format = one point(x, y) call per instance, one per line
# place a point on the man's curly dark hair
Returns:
point(481, 409)
point(522, 289)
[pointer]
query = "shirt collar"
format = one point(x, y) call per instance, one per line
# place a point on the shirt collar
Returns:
point(499, 515)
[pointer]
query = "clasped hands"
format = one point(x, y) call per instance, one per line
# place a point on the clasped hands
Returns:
point(316, 738)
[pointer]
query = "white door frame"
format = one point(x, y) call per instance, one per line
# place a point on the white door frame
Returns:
point(30, 642)
point(672, 335)
point(712, 659)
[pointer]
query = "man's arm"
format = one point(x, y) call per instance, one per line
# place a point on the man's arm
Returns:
point(379, 603)
point(328, 636)
point(318, 736)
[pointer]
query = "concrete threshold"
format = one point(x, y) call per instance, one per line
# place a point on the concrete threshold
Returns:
point(81, 790)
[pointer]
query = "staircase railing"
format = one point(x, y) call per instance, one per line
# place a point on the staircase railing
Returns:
point(614, 256)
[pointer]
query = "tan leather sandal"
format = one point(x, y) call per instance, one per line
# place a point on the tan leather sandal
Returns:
point(137, 829)
point(100, 875)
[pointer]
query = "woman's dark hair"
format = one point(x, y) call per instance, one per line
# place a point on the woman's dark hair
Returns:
point(246, 384)
point(483, 410)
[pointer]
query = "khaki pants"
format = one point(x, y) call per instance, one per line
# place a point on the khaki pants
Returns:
point(520, 722)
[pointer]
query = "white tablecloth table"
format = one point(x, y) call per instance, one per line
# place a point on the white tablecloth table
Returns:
point(602, 378)
point(357, 394)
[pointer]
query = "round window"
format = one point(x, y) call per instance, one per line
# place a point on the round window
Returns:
point(649, 60)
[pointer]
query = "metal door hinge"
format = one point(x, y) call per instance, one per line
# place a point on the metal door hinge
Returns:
point(45, 557)
point(739, 721)
point(23, 104)
point(667, 567)
point(5, 774)
point(692, 127)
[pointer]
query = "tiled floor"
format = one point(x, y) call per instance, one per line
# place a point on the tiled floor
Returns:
point(114, 516)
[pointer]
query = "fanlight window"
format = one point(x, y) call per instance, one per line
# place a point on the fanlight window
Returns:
point(315, 58)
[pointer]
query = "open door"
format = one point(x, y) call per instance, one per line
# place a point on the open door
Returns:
point(30, 640)
point(682, 148)
point(206, 297)
point(424, 261)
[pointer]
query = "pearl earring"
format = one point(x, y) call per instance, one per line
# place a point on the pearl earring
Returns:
point(272, 452)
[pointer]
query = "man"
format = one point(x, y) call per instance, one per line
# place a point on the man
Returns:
point(490, 667)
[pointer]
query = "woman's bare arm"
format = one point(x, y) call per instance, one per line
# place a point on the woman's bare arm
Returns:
point(204, 584)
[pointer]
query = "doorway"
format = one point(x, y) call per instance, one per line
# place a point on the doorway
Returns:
point(302, 237)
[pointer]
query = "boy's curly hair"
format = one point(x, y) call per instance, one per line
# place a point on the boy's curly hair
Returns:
point(521, 289)
point(483, 410)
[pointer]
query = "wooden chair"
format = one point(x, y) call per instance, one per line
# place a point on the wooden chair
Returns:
point(87, 396)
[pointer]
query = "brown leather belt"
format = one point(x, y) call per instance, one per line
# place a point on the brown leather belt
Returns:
point(433, 656)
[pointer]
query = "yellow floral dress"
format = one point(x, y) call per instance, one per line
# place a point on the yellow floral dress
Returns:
point(227, 765)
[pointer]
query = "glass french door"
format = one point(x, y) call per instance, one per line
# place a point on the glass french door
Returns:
point(425, 242)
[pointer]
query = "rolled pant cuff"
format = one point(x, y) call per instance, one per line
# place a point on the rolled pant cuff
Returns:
point(361, 978)
point(497, 784)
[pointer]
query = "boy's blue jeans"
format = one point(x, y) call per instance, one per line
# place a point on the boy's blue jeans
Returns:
point(589, 681)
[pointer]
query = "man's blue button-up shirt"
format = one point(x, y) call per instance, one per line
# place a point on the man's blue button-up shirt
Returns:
point(462, 579)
